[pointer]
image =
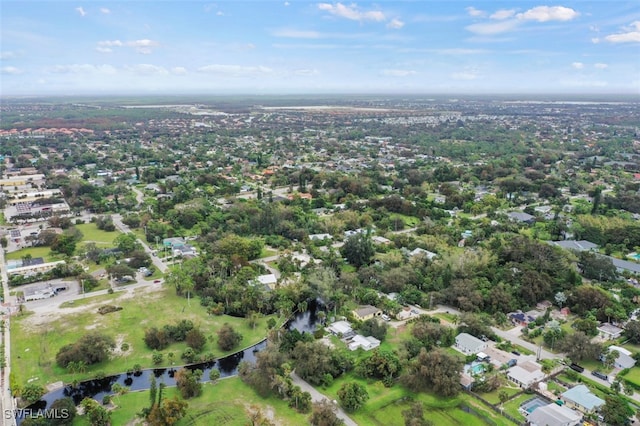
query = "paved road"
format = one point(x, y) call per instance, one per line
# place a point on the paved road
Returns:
point(117, 221)
point(6, 400)
point(317, 396)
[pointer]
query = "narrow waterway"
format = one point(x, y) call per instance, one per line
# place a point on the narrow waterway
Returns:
point(228, 366)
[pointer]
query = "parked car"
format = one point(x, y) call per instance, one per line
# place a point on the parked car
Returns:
point(515, 353)
point(385, 317)
point(600, 375)
point(576, 367)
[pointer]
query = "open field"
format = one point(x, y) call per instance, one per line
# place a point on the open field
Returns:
point(385, 406)
point(91, 233)
point(228, 402)
point(44, 252)
point(37, 339)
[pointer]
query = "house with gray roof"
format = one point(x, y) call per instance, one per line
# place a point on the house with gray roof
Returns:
point(624, 360)
point(521, 217)
point(554, 415)
point(468, 344)
point(580, 398)
point(581, 245)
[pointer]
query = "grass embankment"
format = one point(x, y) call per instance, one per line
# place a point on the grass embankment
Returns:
point(34, 346)
point(229, 402)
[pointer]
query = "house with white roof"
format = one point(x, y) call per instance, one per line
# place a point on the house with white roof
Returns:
point(525, 374)
point(468, 344)
point(624, 360)
point(340, 328)
point(267, 280)
point(366, 343)
point(554, 415)
point(609, 331)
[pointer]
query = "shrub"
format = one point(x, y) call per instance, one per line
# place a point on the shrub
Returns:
point(90, 349)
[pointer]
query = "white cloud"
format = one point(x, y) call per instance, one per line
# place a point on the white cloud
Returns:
point(82, 69)
point(398, 73)
point(146, 69)
point(352, 12)
point(601, 66)
point(472, 11)
point(464, 75)
point(143, 46)
point(219, 13)
point(109, 43)
point(105, 11)
point(8, 55)
point(577, 65)
point(286, 3)
point(10, 70)
point(306, 72)
point(490, 28)
point(595, 40)
point(631, 34)
point(81, 11)
point(503, 14)
point(548, 13)
point(235, 70)
point(396, 24)
point(290, 33)
point(179, 70)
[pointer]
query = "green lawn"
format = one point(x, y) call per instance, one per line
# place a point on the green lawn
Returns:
point(511, 406)
point(44, 252)
point(451, 318)
point(267, 252)
point(228, 402)
point(91, 233)
point(494, 397)
point(34, 346)
point(2, 219)
point(633, 377)
point(385, 406)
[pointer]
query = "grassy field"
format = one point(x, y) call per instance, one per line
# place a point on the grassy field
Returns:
point(633, 377)
point(385, 406)
point(228, 402)
point(34, 346)
point(44, 252)
point(494, 397)
point(91, 233)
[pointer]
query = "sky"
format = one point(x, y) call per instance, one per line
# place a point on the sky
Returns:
point(94, 47)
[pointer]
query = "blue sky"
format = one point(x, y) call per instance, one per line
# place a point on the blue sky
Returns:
point(289, 47)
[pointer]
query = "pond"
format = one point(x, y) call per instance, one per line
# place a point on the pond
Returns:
point(228, 366)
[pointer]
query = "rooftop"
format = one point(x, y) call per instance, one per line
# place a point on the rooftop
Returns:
point(582, 396)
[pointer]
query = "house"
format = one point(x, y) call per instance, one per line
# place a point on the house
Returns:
point(268, 280)
point(525, 374)
point(319, 237)
point(580, 398)
point(582, 245)
point(34, 268)
point(520, 318)
point(366, 343)
point(366, 312)
point(624, 360)
point(625, 265)
point(521, 217)
point(554, 415)
point(468, 344)
point(173, 242)
point(420, 251)
point(341, 328)
point(185, 251)
point(609, 331)
point(381, 240)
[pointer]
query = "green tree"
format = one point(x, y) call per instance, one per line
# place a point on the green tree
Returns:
point(578, 346)
point(64, 244)
point(323, 413)
point(188, 382)
point(358, 249)
point(632, 331)
point(96, 413)
point(414, 415)
point(352, 395)
point(438, 371)
point(168, 412)
point(127, 243)
point(616, 411)
point(67, 409)
point(31, 393)
point(196, 339)
point(228, 338)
